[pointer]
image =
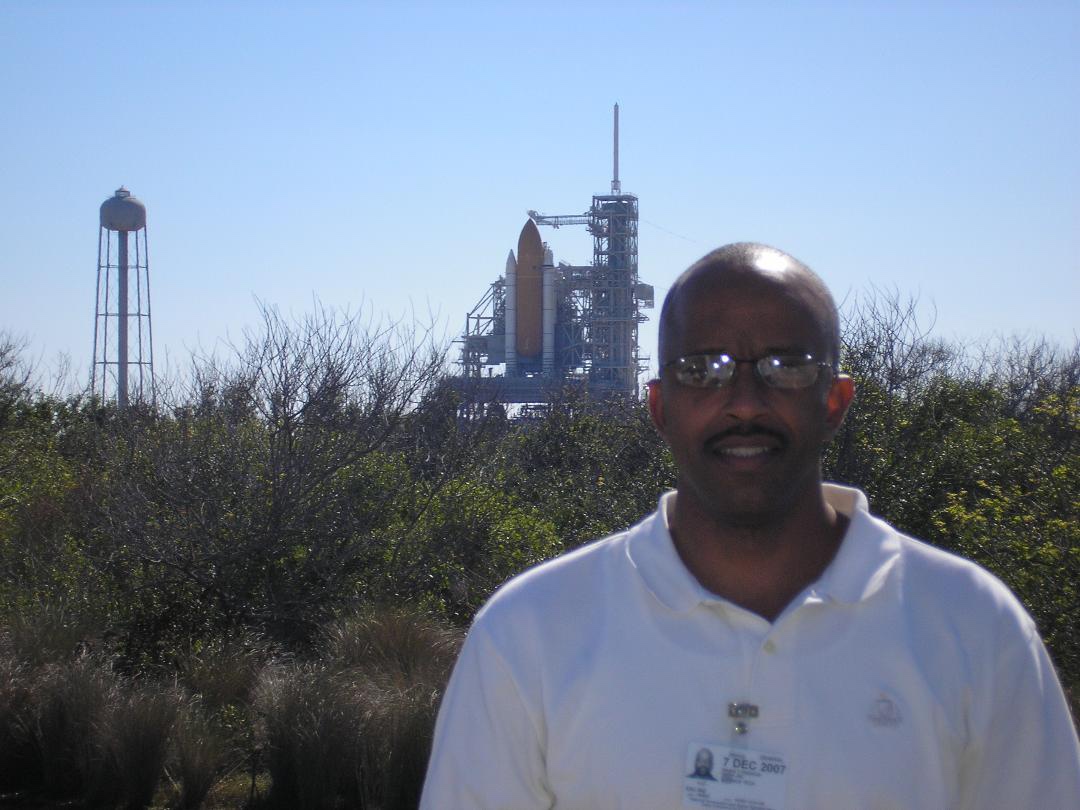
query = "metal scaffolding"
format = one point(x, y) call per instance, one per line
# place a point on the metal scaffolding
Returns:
point(597, 311)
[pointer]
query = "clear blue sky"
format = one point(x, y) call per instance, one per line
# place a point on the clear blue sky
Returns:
point(383, 155)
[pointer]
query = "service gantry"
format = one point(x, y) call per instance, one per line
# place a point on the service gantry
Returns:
point(555, 326)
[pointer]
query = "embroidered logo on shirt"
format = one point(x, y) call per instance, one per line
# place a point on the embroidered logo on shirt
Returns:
point(884, 713)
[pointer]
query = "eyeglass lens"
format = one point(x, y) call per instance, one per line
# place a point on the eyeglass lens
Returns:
point(779, 371)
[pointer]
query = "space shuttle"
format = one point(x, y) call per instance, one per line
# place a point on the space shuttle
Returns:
point(530, 305)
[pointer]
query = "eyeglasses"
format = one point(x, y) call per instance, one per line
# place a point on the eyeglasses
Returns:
point(776, 370)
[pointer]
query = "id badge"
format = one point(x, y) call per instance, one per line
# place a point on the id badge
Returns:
point(722, 777)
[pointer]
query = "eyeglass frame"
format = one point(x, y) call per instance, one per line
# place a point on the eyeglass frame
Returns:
point(732, 362)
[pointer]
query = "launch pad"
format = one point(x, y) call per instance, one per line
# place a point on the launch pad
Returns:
point(543, 327)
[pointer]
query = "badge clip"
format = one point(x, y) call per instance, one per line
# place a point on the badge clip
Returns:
point(741, 713)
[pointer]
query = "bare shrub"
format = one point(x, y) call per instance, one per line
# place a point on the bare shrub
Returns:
point(885, 342)
point(16, 373)
point(1029, 370)
point(239, 507)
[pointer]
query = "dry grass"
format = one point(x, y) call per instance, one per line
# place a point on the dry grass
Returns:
point(312, 727)
point(395, 643)
point(47, 634)
point(18, 752)
point(351, 730)
point(202, 756)
point(399, 721)
point(71, 701)
point(139, 728)
point(223, 671)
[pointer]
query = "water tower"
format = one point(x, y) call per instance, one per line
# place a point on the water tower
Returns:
point(123, 340)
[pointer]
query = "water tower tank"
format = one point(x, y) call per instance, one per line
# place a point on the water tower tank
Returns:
point(123, 212)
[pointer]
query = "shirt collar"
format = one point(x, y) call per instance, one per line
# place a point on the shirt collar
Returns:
point(868, 553)
point(866, 556)
point(651, 551)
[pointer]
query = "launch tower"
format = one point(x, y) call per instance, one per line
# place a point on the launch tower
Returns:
point(542, 327)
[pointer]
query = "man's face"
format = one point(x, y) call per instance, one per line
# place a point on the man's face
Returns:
point(703, 762)
point(747, 453)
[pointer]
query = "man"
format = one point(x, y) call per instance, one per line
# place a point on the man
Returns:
point(703, 765)
point(822, 659)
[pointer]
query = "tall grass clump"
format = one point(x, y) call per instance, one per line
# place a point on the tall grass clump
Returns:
point(136, 734)
point(72, 701)
point(19, 763)
point(202, 754)
point(399, 722)
point(355, 729)
point(311, 722)
point(223, 670)
point(47, 633)
point(215, 731)
point(399, 661)
point(401, 644)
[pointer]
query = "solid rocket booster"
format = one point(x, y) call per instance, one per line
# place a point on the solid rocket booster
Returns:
point(511, 313)
point(549, 315)
point(529, 293)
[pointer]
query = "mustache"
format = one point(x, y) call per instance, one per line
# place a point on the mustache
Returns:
point(743, 431)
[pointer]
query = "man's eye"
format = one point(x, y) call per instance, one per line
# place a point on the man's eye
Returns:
point(787, 361)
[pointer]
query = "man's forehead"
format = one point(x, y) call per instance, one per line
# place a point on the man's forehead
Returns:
point(761, 272)
point(780, 285)
point(693, 312)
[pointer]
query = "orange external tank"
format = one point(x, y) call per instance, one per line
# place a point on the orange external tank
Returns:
point(530, 292)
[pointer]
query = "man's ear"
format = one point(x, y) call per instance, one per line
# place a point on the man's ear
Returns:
point(841, 392)
point(656, 405)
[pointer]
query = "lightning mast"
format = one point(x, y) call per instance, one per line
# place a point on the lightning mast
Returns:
point(616, 188)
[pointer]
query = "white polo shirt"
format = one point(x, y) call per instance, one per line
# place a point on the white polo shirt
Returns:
point(904, 678)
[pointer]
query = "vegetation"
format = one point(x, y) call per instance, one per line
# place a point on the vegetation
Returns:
point(258, 584)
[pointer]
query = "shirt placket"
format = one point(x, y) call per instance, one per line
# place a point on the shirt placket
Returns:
point(765, 698)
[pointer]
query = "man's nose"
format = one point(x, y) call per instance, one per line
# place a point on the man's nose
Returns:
point(745, 393)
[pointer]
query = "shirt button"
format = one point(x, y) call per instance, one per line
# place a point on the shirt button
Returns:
point(769, 647)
